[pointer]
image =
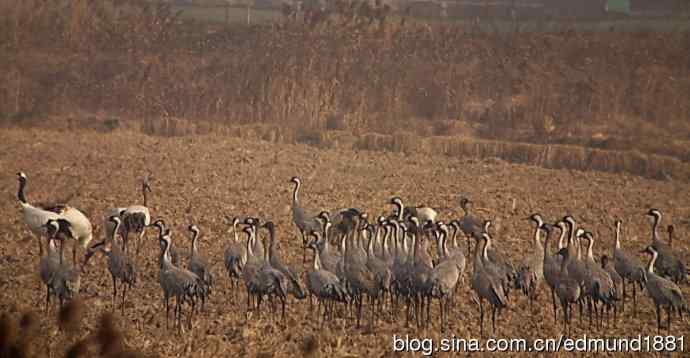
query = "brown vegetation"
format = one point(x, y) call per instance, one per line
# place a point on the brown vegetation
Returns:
point(355, 70)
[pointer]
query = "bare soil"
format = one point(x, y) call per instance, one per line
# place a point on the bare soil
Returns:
point(201, 179)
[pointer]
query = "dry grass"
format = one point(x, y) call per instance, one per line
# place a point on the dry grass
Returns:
point(355, 69)
point(202, 178)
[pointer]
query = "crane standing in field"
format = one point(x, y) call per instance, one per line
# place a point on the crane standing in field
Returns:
point(120, 266)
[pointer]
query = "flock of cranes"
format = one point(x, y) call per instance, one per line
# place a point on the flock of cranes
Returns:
point(400, 261)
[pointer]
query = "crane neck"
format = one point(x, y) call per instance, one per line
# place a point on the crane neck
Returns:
point(655, 228)
point(195, 243)
point(234, 232)
point(537, 243)
point(618, 235)
point(20, 192)
point(485, 251)
point(112, 234)
point(317, 260)
point(650, 267)
point(145, 194)
point(590, 245)
point(444, 244)
point(295, 192)
point(478, 253)
point(561, 238)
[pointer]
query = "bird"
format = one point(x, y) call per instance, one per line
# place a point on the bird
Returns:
point(276, 261)
point(530, 272)
point(329, 257)
point(198, 264)
point(615, 277)
point(50, 262)
point(324, 284)
point(361, 279)
point(235, 254)
point(270, 282)
point(628, 267)
point(250, 266)
point(551, 264)
point(444, 278)
point(304, 221)
point(469, 224)
point(598, 283)
point(137, 217)
point(120, 266)
point(177, 282)
point(498, 263)
point(485, 284)
point(568, 289)
point(66, 280)
point(172, 251)
point(35, 216)
point(667, 264)
point(664, 292)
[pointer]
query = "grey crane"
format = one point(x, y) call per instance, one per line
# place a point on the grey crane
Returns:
point(497, 263)
point(576, 268)
point(568, 289)
point(485, 284)
point(304, 221)
point(276, 261)
point(598, 282)
point(66, 279)
point(361, 279)
point(381, 270)
point(172, 251)
point(177, 282)
point(250, 266)
point(49, 263)
point(615, 277)
point(235, 254)
point(329, 257)
point(198, 264)
point(268, 281)
point(552, 265)
point(120, 266)
point(667, 264)
point(444, 278)
point(324, 284)
point(469, 224)
point(530, 272)
point(628, 267)
point(420, 270)
point(663, 292)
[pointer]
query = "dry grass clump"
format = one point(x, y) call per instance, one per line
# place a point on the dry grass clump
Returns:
point(21, 338)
